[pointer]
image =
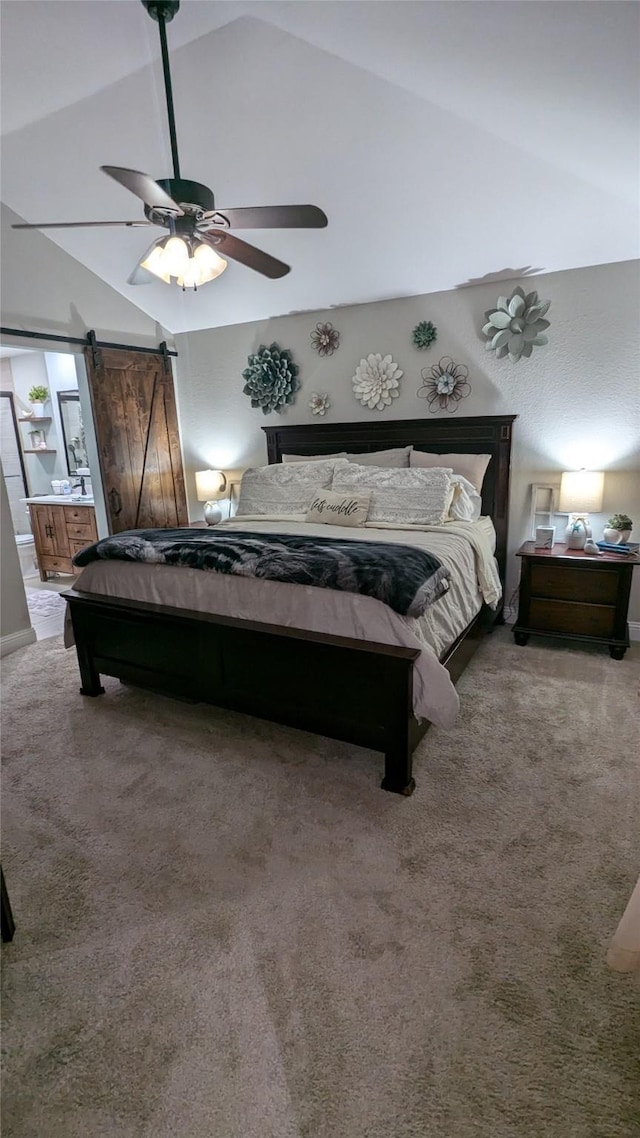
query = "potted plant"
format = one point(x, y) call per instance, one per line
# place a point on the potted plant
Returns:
point(618, 529)
point(37, 396)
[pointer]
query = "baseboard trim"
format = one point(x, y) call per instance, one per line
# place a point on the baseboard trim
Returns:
point(511, 613)
point(14, 640)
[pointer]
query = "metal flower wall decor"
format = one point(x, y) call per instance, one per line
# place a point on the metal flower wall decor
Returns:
point(319, 402)
point(445, 384)
point(425, 334)
point(516, 325)
point(325, 339)
point(271, 379)
point(375, 383)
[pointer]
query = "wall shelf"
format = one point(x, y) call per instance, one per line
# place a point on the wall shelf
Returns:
point(33, 419)
point(40, 450)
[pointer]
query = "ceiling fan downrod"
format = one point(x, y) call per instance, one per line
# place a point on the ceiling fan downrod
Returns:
point(163, 12)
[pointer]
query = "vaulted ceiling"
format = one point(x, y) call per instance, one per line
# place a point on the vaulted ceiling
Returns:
point(444, 140)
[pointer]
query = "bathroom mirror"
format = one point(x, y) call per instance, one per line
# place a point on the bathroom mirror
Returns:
point(73, 439)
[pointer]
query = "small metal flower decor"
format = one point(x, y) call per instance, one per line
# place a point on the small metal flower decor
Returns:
point(425, 334)
point(445, 384)
point(271, 379)
point(516, 325)
point(325, 339)
point(375, 382)
point(319, 402)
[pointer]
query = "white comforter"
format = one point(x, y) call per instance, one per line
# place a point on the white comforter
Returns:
point(466, 548)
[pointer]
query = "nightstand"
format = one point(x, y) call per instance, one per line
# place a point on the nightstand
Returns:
point(574, 595)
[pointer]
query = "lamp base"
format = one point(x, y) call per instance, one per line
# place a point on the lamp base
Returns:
point(212, 513)
point(577, 531)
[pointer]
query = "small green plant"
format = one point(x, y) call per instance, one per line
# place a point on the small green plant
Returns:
point(38, 394)
point(620, 521)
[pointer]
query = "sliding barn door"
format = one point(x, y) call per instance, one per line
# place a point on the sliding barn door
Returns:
point(136, 423)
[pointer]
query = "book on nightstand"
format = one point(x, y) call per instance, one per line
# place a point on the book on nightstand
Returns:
point(624, 548)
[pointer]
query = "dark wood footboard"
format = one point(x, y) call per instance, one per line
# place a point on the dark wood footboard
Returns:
point(348, 689)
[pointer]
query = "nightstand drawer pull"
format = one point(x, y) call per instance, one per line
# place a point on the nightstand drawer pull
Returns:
point(561, 582)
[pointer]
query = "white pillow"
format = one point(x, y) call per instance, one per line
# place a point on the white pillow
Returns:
point(312, 457)
point(466, 505)
point(406, 497)
point(333, 509)
point(284, 488)
point(396, 457)
point(471, 466)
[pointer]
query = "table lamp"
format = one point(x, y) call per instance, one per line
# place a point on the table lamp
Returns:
point(580, 494)
point(210, 486)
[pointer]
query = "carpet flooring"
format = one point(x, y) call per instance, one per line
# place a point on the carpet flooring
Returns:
point(226, 930)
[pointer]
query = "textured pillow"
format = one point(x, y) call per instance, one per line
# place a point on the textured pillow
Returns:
point(335, 509)
point(467, 503)
point(284, 488)
point(470, 466)
point(406, 497)
point(312, 457)
point(397, 457)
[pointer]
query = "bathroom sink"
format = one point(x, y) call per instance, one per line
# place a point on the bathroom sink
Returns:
point(60, 499)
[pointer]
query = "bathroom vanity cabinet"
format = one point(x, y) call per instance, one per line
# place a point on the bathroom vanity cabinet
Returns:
point(60, 530)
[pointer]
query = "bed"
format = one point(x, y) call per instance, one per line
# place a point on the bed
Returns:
point(358, 690)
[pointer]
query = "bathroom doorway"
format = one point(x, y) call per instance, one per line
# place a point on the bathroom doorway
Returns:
point(45, 452)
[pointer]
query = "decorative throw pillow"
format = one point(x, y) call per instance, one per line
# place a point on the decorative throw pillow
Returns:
point(406, 497)
point(470, 466)
point(335, 509)
point(397, 457)
point(466, 505)
point(312, 457)
point(284, 488)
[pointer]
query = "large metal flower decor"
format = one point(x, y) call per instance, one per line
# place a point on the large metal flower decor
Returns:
point(445, 384)
point(271, 379)
point(516, 325)
point(375, 382)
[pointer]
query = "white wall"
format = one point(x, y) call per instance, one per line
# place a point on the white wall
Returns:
point(577, 399)
point(15, 625)
point(43, 289)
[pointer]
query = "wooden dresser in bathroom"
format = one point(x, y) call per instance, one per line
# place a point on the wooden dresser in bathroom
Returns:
point(59, 532)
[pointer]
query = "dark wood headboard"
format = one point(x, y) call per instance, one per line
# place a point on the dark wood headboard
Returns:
point(481, 434)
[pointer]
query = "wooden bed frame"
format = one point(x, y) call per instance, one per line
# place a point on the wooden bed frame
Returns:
point(348, 689)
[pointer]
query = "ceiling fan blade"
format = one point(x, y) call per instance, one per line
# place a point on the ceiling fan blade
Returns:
point(229, 246)
point(144, 188)
point(79, 224)
point(273, 217)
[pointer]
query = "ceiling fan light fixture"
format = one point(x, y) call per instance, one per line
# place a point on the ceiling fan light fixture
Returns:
point(154, 262)
point(210, 263)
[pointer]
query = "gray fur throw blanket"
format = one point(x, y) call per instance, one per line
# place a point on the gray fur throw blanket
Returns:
point(405, 578)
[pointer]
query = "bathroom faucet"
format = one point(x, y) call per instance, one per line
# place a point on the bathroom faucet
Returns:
point(83, 490)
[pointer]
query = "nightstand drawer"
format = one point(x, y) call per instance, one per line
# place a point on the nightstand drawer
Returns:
point(576, 619)
point(561, 582)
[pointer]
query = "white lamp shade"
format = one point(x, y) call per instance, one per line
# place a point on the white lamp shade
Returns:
point(581, 491)
point(210, 484)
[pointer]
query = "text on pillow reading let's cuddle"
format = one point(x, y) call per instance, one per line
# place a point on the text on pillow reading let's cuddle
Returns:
point(347, 507)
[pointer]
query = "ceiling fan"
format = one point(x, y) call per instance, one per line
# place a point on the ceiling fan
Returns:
point(199, 239)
